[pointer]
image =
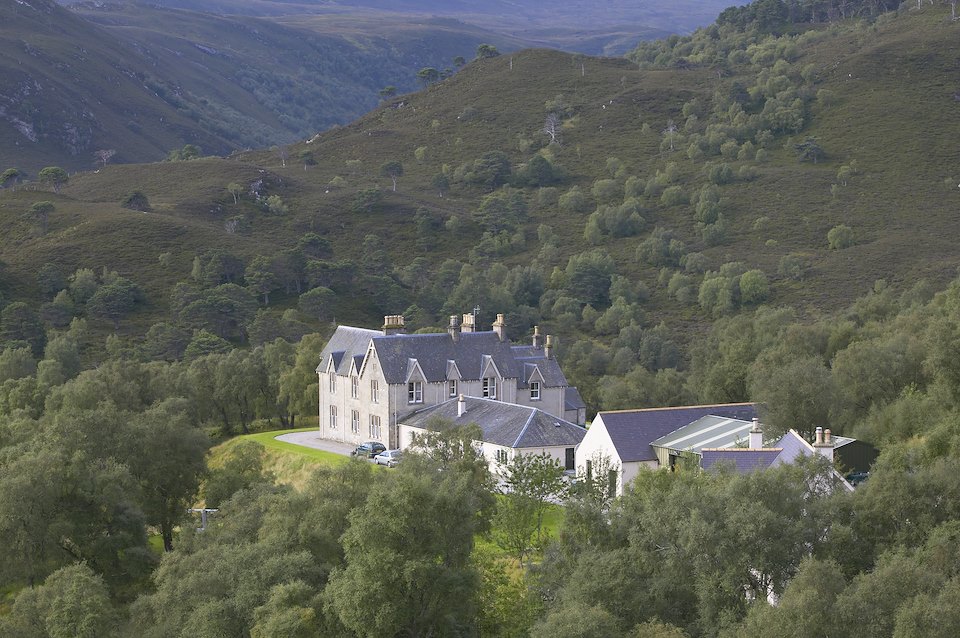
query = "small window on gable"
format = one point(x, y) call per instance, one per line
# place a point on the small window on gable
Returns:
point(333, 383)
point(534, 390)
point(374, 391)
point(453, 387)
point(354, 387)
point(415, 392)
point(489, 388)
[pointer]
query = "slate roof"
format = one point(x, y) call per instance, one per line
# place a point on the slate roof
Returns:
point(572, 399)
point(793, 447)
point(632, 431)
point(506, 424)
point(434, 352)
point(743, 461)
point(708, 431)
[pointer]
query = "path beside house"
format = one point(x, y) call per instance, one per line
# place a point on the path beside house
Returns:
point(312, 440)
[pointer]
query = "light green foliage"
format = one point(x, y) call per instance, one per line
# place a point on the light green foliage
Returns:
point(486, 51)
point(275, 205)
point(840, 237)
point(573, 201)
point(73, 602)
point(661, 248)
point(754, 287)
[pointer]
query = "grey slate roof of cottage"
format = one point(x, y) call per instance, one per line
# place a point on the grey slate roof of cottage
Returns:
point(505, 424)
point(743, 461)
point(433, 352)
point(632, 431)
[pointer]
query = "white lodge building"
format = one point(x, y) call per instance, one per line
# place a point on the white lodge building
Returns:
point(369, 379)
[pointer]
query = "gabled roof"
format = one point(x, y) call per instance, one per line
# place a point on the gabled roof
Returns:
point(632, 431)
point(743, 460)
point(346, 344)
point(435, 354)
point(505, 424)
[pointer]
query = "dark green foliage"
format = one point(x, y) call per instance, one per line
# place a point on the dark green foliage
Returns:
point(114, 300)
point(809, 150)
point(50, 280)
point(19, 323)
point(505, 209)
point(136, 201)
point(188, 152)
point(840, 237)
point(54, 177)
point(487, 51)
point(491, 170)
point(366, 201)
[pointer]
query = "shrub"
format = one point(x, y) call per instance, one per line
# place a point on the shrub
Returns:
point(840, 237)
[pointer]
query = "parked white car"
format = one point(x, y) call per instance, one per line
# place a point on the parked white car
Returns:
point(390, 458)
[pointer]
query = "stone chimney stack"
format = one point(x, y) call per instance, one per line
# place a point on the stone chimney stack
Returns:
point(756, 435)
point(454, 328)
point(461, 406)
point(393, 325)
point(548, 348)
point(469, 323)
point(537, 338)
point(823, 443)
point(498, 327)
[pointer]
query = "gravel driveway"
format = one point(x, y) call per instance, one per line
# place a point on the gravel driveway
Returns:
point(312, 439)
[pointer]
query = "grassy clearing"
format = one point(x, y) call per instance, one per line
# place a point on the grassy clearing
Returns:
point(290, 464)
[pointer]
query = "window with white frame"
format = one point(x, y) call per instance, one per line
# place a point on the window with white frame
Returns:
point(501, 455)
point(453, 387)
point(534, 390)
point(489, 387)
point(374, 427)
point(333, 417)
point(355, 421)
point(354, 387)
point(333, 382)
point(415, 392)
point(374, 391)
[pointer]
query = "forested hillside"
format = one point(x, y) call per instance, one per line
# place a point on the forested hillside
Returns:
point(763, 210)
point(140, 81)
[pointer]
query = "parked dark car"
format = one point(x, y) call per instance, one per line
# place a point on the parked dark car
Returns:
point(369, 449)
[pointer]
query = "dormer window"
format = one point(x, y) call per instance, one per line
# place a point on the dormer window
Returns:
point(415, 392)
point(489, 388)
point(453, 387)
point(534, 390)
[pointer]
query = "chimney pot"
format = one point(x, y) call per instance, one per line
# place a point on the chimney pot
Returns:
point(461, 406)
point(393, 324)
point(548, 347)
point(469, 323)
point(819, 437)
point(498, 327)
point(454, 328)
point(537, 338)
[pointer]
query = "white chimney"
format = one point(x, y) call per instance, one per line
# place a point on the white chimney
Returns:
point(461, 406)
point(393, 325)
point(756, 435)
point(824, 443)
point(469, 323)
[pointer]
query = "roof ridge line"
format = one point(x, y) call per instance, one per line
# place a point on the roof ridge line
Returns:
point(533, 412)
point(680, 407)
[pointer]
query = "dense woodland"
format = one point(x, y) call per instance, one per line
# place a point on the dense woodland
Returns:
point(666, 261)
